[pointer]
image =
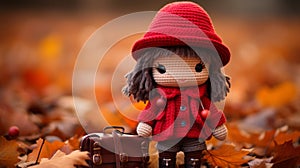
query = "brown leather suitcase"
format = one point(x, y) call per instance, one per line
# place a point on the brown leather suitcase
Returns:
point(116, 149)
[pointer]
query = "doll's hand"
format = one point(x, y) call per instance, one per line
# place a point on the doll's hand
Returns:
point(220, 132)
point(144, 129)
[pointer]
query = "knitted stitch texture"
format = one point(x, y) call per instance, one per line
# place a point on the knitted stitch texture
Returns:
point(182, 24)
point(165, 122)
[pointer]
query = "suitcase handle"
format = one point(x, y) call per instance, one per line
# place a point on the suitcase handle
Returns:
point(117, 128)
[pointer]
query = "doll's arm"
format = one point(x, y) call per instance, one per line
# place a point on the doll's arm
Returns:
point(144, 129)
point(216, 120)
point(146, 120)
point(216, 117)
point(220, 132)
point(148, 115)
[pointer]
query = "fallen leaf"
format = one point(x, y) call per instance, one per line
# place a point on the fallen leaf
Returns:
point(36, 78)
point(278, 96)
point(9, 116)
point(226, 156)
point(263, 143)
point(50, 47)
point(264, 139)
point(48, 149)
point(283, 137)
point(111, 114)
point(259, 121)
point(260, 163)
point(60, 159)
point(286, 155)
point(8, 153)
point(236, 135)
point(74, 142)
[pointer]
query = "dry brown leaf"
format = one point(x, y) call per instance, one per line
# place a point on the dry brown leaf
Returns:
point(235, 134)
point(269, 138)
point(255, 139)
point(8, 152)
point(226, 156)
point(48, 149)
point(263, 143)
point(60, 159)
point(260, 163)
point(286, 155)
point(10, 116)
point(263, 140)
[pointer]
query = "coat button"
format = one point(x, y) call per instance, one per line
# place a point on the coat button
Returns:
point(183, 123)
point(182, 108)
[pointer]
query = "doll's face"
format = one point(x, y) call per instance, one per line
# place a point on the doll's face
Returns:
point(176, 71)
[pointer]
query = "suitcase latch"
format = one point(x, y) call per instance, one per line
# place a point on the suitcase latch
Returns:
point(123, 157)
point(97, 159)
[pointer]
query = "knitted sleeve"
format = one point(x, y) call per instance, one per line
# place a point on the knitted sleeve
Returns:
point(150, 113)
point(147, 115)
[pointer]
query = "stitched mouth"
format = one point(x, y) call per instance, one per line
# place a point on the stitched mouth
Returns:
point(182, 80)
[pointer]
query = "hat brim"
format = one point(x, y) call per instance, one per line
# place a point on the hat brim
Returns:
point(162, 40)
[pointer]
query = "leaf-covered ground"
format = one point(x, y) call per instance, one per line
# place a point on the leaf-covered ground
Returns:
point(38, 52)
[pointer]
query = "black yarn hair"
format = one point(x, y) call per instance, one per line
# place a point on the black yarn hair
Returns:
point(140, 80)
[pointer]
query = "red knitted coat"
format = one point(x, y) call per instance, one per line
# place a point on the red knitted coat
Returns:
point(180, 117)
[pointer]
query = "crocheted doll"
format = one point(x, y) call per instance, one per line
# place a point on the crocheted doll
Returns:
point(178, 72)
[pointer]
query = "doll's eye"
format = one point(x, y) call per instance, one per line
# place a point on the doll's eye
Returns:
point(199, 67)
point(161, 69)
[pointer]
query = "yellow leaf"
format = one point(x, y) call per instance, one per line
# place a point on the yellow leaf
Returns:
point(50, 47)
point(139, 105)
point(226, 156)
point(8, 153)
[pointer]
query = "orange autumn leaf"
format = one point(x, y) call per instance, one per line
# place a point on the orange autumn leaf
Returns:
point(103, 93)
point(48, 149)
point(283, 137)
point(286, 155)
point(112, 115)
point(256, 139)
point(130, 123)
point(60, 159)
point(130, 113)
point(265, 139)
point(140, 105)
point(235, 134)
point(277, 96)
point(50, 47)
point(8, 152)
point(226, 156)
point(36, 78)
point(74, 142)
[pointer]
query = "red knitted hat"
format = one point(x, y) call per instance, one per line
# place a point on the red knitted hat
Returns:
point(182, 24)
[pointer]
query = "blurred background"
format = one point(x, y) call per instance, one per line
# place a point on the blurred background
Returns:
point(40, 41)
